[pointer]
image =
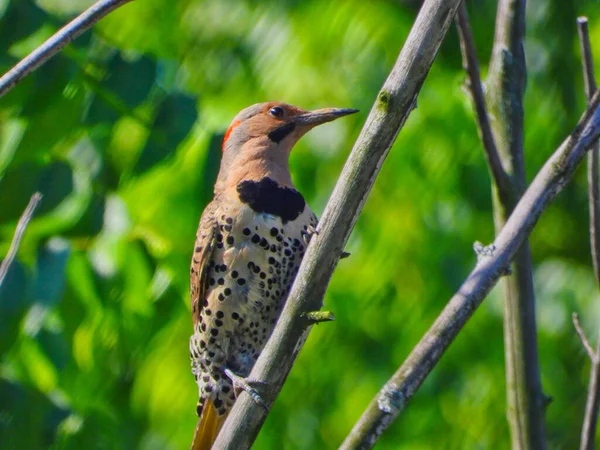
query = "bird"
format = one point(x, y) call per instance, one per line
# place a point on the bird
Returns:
point(249, 244)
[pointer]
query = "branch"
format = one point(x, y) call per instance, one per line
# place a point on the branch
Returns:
point(21, 226)
point(391, 109)
point(588, 431)
point(590, 421)
point(471, 66)
point(57, 42)
point(394, 396)
point(584, 340)
point(504, 94)
point(593, 191)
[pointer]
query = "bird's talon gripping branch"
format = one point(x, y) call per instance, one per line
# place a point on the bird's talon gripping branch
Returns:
point(483, 251)
point(310, 231)
point(319, 316)
point(249, 386)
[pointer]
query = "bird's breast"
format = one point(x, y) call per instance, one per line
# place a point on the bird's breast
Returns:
point(254, 262)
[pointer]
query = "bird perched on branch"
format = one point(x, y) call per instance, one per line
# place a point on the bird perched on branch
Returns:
point(249, 245)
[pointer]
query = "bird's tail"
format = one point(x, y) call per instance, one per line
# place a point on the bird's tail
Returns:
point(209, 424)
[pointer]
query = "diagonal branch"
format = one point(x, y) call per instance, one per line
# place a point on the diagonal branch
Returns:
point(471, 66)
point(391, 109)
point(588, 432)
point(21, 226)
point(57, 42)
point(395, 394)
point(582, 337)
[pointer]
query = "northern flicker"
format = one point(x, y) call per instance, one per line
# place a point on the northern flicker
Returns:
point(249, 244)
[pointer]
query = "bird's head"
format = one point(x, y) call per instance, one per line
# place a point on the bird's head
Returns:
point(260, 138)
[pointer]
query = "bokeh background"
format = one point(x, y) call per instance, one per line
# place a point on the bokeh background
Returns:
point(121, 132)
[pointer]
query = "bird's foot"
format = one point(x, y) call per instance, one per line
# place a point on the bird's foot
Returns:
point(250, 386)
point(310, 231)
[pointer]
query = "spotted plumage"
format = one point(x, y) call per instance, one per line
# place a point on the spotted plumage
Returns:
point(249, 245)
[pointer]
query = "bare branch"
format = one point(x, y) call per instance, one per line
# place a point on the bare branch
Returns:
point(390, 110)
point(57, 42)
point(583, 337)
point(592, 159)
point(21, 226)
point(504, 97)
point(592, 406)
point(586, 55)
point(590, 421)
point(553, 176)
point(471, 66)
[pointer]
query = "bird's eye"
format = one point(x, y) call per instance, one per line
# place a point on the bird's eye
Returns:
point(276, 111)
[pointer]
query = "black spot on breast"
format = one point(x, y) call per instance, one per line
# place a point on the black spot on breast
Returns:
point(267, 196)
point(278, 134)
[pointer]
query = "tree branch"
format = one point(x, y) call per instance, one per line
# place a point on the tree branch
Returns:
point(592, 406)
point(471, 66)
point(582, 337)
point(57, 42)
point(16, 241)
point(391, 109)
point(394, 396)
point(504, 94)
point(588, 431)
point(592, 159)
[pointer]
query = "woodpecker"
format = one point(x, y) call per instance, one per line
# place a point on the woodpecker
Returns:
point(249, 244)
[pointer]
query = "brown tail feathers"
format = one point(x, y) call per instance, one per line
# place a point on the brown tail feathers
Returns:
point(209, 424)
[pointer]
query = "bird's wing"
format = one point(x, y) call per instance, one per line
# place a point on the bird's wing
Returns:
point(205, 241)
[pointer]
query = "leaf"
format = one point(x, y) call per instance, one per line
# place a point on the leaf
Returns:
point(211, 166)
point(13, 303)
point(21, 19)
point(92, 220)
point(55, 183)
point(175, 117)
point(126, 85)
point(17, 186)
point(49, 281)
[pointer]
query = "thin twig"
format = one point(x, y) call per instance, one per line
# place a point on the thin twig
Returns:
point(57, 42)
point(586, 55)
point(21, 226)
point(471, 66)
point(590, 421)
point(583, 337)
point(592, 405)
point(593, 190)
point(553, 176)
point(391, 109)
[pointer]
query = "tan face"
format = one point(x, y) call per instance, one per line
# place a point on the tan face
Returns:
point(279, 122)
point(274, 119)
point(260, 138)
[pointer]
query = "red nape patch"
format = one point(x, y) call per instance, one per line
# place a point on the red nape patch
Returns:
point(229, 130)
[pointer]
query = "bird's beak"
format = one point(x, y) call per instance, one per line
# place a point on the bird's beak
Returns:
point(319, 116)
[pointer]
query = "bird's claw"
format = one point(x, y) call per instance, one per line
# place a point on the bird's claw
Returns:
point(249, 386)
point(310, 231)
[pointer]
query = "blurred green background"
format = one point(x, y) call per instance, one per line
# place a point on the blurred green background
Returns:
point(121, 132)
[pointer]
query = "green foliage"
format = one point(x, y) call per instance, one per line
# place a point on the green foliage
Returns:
point(121, 133)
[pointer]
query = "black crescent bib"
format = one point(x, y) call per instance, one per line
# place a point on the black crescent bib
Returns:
point(267, 196)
